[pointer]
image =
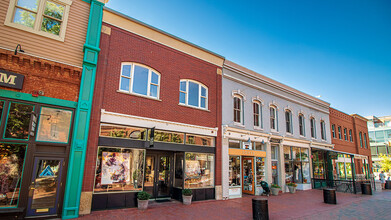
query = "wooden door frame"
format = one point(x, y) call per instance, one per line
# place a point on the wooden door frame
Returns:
point(253, 186)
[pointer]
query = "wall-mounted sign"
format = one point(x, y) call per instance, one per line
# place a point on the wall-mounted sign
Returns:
point(254, 153)
point(11, 80)
point(273, 140)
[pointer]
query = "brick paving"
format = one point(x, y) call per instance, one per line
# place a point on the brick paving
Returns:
point(301, 205)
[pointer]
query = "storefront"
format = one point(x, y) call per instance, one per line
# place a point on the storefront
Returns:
point(247, 167)
point(161, 162)
point(297, 167)
point(35, 137)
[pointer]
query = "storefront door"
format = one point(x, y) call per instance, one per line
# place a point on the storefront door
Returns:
point(45, 186)
point(158, 171)
point(248, 175)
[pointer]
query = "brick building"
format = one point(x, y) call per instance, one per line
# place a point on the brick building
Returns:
point(157, 109)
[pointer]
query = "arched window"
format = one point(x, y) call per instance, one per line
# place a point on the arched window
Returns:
point(313, 129)
point(301, 125)
point(257, 114)
point(139, 79)
point(273, 118)
point(288, 121)
point(193, 93)
point(238, 105)
point(323, 130)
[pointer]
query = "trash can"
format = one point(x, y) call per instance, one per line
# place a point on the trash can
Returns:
point(260, 209)
point(329, 196)
point(388, 184)
point(366, 189)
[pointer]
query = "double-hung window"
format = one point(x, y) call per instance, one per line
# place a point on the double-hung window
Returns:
point(44, 17)
point(360, 136)
point(273, 118)
point(257, 114)
point(366, 142)
point(350, 135)
point(139, 80)
point(313, 129)
point(288, 121)
point(323, 130)
point(301, 125)
point(339, 133)
point(345, 133)
point(193, 93)
point(238, 109)
point(333, 131)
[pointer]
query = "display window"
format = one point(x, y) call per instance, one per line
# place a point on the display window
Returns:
point(18, 121)
point(234, 143)
point(199, 140)
point(54, 125)
point(119, 169)
point(178, 180)
point(234, 171)
point(297, 168)
point(12, 157)
point(343, 167)
point(170, 137)
point(199, 170)
point(116, 131)
point(318, 164)
point(260, 170)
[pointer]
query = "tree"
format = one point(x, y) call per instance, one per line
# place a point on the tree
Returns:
point(385, 162)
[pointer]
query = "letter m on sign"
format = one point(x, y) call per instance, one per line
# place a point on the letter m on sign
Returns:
point(11, 80)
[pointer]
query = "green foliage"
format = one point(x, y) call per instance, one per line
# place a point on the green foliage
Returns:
point(187, 192)
point(27, 18)
point(18, 121)
point(143, 195)
point(385, 162)
point(275, 186)
point(292, 184)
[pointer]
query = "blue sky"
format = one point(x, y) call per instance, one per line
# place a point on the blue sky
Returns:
point(340, 50)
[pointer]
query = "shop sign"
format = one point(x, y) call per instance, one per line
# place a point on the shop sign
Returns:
point(276, 141)
point(274, 167)
point(11, 80)
point(241, 152)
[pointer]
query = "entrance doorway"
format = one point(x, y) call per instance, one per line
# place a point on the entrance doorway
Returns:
point(248, 175)
point(45, 187)
point(158, 174)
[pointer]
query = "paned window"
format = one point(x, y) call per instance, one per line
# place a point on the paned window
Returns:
point(350, 135)
point(199, 170)
point(139, 80)
point(18, 122)
point(365, 140)
point(199, 140)
point(54, 125)
point(43, 17)
point(323, 130)
point(237, 109)
point(313, 129)
point(257, 113)
point(345, 134)
point(273, 118)
point(117, 131)
point(297, 168)
point(193, 94)
point(288, 121)
point(339, 132)
point(333, 131)
point(301, 125)
point(360, 136)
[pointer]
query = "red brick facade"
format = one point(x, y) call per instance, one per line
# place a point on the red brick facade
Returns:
point(357, 124)
point(123, 46)
point(54, 79)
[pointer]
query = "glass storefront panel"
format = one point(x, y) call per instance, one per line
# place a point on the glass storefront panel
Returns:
point(287, 153)
point(199, 140)
point(306, 172)
point(248, 174)
point(234, 171)
point(119, 169)
point(297, 168)
point(170, 137)
point(54, 125)
point(12, 158)
point(318, 163)
point(178, 181)
point(260, 170)
point(199, 170)
point(234, 143)
point(18, 121)
point(259, 146)
point(116, 131)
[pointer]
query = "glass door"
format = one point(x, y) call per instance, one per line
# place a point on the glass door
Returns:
point(163, 177)
point(157, 180)
point(149, 177)
point(45, 188)
point(248, 175)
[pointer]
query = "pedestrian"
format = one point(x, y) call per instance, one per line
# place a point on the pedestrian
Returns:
point(382, 179)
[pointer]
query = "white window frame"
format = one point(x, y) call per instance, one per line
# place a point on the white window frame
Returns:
point(290, 122)
point(200, 86)
point(323, 130)
point(302, 124)
point(38, 19)
point(240, 110)
point(313, 127)
point(150, 70)
point(259, 114)
point(273, 118)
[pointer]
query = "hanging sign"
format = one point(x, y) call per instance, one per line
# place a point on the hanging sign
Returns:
point(11, 80)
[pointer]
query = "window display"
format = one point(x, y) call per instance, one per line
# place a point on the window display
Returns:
point(260, 170)
point(318, 163)
point(178, 181)
point(343, 167)
point(117, 131)
point(11, 166)
point(234, 171)
point(171, 137)
point(259, 146)
point(199, 140)
point(18, 122)
point(297, 168)
point(119, 169)
point(199, 171)
point(54, 125)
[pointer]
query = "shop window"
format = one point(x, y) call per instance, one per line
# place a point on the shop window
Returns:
point(260, 170)
point(345, 134)
point(238, 109)
point(365, 141)
point(287, 153)
point(18, 122)
point(234, 171)
point(288, 121)
point(257, 114)
point(297, 168)
point(199, 140)
point(1, 110)
point(333, 131)
point(43, 17)
point(313, 128)
point(318, 163)
point(116, 131)
point(139, 80)
point(273, 118)
point(234, 144)
point(12, 158)
point(178, 181)
point(119, 169)
point(339, 133)
point(301, 125)
point(193, 93)
point(360, 136)
point(323, 130)
point(350, 135)
point(54, 125)
point(343, 167)
point(199, 170)
point(259, 146)
point(170, 137)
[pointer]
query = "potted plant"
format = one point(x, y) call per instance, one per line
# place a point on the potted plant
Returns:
point(275, 189)
point(142, 200)
point(292, 187)
point(187, 195)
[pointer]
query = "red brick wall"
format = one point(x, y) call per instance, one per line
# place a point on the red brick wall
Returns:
point(356, 124)
point(56, 80)
point(173, 65)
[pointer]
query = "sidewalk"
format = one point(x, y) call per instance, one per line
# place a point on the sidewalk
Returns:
point(301, 205)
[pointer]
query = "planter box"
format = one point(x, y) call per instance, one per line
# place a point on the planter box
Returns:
point(292, 189)
point(275, 191)
point(187, 199)
point(142, 204)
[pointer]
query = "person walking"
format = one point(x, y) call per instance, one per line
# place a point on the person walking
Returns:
point(382, 178)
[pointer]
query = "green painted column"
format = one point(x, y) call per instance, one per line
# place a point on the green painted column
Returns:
point(83, 112)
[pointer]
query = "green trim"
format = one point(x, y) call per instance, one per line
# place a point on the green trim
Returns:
point(6, 122)
point(83, 113)
point(39, 99)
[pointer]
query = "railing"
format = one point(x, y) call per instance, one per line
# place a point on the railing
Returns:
point(346, 186)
